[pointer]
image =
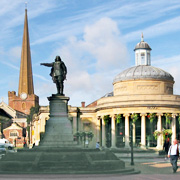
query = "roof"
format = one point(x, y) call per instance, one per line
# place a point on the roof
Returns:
point(143, 72)
point(142, 45)
point(14, 126)
point(109, 94)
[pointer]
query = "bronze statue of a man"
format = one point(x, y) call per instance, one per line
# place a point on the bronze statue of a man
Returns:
point(58, 73)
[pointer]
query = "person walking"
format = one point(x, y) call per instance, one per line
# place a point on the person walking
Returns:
point(97, 145)
point(166, 146)
point(173, 154)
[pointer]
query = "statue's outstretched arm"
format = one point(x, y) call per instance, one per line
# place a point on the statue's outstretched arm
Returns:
point(47, 64)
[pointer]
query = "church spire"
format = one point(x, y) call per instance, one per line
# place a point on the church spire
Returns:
point(25, 76)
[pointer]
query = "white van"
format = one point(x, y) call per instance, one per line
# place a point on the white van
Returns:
point(6, 143)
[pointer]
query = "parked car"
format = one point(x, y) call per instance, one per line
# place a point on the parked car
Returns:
point(6, 143)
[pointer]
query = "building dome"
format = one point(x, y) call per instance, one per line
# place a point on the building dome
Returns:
point(143, 72)
point(142, 45)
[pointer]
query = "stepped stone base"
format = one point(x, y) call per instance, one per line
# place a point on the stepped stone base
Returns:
point(62, 161)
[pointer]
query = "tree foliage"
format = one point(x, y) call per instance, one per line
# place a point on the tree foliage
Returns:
point(106, 119)
point(33, 110)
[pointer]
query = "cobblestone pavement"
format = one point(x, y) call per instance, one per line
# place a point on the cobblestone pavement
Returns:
point(151, 169)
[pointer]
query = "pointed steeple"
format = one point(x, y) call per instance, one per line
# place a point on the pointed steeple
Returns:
point(25, 76)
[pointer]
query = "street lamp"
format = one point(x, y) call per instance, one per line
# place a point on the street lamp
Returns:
point(132, 157)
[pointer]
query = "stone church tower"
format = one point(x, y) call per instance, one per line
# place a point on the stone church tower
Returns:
point(26, 97)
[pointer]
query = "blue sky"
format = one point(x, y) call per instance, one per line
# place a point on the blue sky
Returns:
point(95, 39)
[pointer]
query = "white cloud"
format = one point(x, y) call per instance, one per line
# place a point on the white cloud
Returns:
point(104, 41)
point(166, 61)
point(172, 66)
point(15, 54)
point(88, 79)
point(41, 77)
point(9, 65)
point(174, 71)
point(128, 15)
point(168, 26)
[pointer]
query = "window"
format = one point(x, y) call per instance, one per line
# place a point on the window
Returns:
point(23, 106)
point(142, 58)
point(86, 126)
point(137, 63)
point(148, 58)
point(14, 133)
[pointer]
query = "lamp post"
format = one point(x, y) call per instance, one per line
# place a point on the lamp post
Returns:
point(132, 157)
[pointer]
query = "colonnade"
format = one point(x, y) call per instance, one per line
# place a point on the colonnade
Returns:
point(127, 130)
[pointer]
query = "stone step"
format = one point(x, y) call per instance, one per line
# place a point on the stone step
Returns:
point(58, 137)
point(139, 155)
point(126, 171)
point(38, 161)
point(136, 150)
point(59, 144)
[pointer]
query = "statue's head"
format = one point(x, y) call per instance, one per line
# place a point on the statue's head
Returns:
point(57, 58)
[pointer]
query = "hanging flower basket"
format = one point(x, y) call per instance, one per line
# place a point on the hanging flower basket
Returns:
point(168, 118)
point(106, 119)
point(82, 135)
point(157, 133)
point(118, 118)
point(167, 133)
point(90, 135)
point(134, 117)
point(151, 117)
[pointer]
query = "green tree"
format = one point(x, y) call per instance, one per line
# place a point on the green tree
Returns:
point(33, 110)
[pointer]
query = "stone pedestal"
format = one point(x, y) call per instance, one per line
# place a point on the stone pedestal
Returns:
point(59, 132)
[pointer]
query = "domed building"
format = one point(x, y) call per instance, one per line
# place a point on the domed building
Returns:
point(143, 94)
point(142, 102)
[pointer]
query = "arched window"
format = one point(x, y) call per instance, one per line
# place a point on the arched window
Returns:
point(143, 58)
point(23, 106)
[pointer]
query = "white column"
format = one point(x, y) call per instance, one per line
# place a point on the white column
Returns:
point(98, 129)
point(126, 130)
point(143, 130)
point(173, 127)
point(159, 128)
point(103, 134)
point(113, 133)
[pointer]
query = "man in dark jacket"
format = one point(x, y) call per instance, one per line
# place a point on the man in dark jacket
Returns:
point(58, 73)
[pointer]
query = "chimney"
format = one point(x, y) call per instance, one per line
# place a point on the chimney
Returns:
point(83, 104)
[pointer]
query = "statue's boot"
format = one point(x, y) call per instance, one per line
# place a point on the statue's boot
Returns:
point(61, 90)
point(58, 89)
